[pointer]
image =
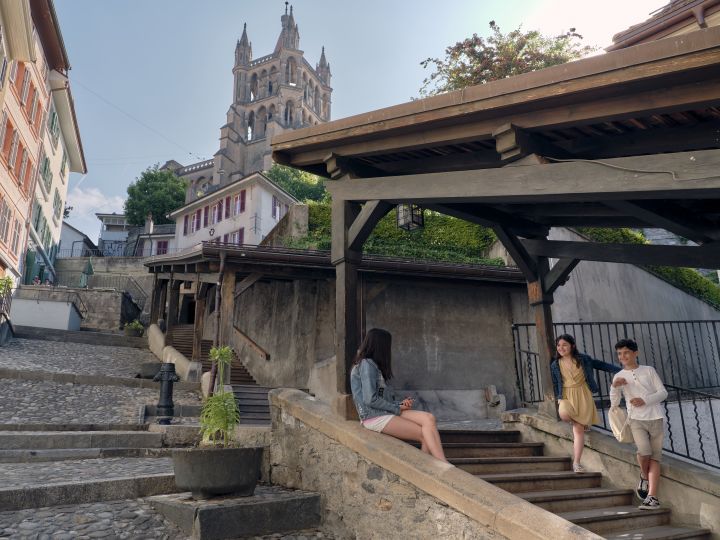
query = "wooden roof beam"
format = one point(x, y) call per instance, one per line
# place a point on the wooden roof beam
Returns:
point(641, 254)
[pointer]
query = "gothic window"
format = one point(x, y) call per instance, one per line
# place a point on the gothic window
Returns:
point(291, 71)
point(263, 84)
point(289, 113)
point(316, 101)
point(271, 112)
point(260, 123)
point(272, 80)
point(253, 87)
point(251, 126)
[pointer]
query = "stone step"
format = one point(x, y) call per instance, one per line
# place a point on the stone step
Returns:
point(39, 440)
point(250, 389)
point(567, 500)
point(493, 465)
point(245, 400)
point(262, 408)
point(34, 485)
point(65, 454)
point(478, 436)
point(663, 532)
point(73, 427)
point(543, 481)
point(475, 450)
point(617, 518)
point(271, 510)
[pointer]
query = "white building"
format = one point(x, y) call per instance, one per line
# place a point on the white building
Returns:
point(113, 234)
point(74, 243)
point(242, 212)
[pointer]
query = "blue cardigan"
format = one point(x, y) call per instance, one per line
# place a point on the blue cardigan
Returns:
point(588, 364)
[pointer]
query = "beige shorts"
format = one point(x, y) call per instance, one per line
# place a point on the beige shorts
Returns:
point(377, 423)
point(648, 435)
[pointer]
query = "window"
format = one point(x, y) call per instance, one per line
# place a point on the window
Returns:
point(214, 209)
point(3, 127)
point(25, 90)
point(239, 202)
point(23, 165)
point(238, 237)
point(275, 207)
point(4, 221)
point(15, 246)
point(185, 225)
point(32, 110)
point(206, 216)
point(219, 211)
point(63, 166)
point(57, 204)
point(46, 174)
point(3, 62)
point(162, 247)
point(14, 143)
point(54, 126)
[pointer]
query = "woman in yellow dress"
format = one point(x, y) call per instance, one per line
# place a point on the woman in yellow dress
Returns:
point(574, 384)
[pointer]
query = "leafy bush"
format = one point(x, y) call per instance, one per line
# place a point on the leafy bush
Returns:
point(6, 284)
point(134, 325)
point(443, 238)
point(219, 415)
point(686, 279)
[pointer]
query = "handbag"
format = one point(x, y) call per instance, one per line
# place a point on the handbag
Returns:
point(620, 425)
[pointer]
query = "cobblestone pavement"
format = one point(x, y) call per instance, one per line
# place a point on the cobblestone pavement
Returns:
point(58, 357)
point(68, 403)
point(132, 519)
point(16, 475)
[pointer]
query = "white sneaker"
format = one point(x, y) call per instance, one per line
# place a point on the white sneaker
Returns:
point(650, 503)
point(578, 468)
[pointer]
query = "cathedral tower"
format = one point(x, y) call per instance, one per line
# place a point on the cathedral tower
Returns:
point(271, 94)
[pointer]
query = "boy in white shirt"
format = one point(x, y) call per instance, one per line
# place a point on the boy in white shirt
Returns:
point(644, 392)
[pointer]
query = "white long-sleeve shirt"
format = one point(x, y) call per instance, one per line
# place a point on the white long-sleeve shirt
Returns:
point(642, 382)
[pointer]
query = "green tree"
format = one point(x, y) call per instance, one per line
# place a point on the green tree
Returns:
point(300, 184)
point(478, 60)
point(155, 191)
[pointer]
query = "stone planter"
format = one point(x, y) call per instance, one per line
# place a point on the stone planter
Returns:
point(209, 472)
point(133, 332)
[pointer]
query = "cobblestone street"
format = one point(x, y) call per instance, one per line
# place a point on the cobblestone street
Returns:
point(60, 357)
point(51, 402)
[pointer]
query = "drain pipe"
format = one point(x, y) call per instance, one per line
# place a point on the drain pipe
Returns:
point(216, 341)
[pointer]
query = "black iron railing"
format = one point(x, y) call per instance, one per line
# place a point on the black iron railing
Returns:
point(692, 414)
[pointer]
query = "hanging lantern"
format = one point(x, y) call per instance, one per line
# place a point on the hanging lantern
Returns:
point(410, 217)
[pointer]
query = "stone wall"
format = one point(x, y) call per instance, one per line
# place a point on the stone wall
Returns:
point(375, 486)
point(446, 337)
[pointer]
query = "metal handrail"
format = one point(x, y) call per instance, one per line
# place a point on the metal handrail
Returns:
point(691, 427)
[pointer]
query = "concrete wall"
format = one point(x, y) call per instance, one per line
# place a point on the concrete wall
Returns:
point(600, 291)
point(450, 337)
point(57, 314)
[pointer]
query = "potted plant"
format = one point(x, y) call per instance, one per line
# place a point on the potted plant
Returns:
point(217, 467)
point(134, 329)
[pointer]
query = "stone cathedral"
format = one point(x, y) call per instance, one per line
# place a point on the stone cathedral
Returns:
point(272, 94)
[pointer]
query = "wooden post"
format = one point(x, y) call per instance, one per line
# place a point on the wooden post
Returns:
point(541, 303)
point(200, 303)
point(172, 314)
point(162, 301)
point(347, 323)
point(155, 301)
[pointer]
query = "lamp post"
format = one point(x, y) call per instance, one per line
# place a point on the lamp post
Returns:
point(410, 216)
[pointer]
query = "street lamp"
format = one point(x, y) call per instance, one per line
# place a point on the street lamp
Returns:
point(410, 216)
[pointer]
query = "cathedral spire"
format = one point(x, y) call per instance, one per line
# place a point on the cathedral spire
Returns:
point(289, 35)
point(323, 68)
point(243, 49)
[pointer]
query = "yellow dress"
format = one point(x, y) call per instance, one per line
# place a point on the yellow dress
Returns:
point(577, 401)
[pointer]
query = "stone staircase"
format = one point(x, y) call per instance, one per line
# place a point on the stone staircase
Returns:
point(252, 399)
point(499, 457)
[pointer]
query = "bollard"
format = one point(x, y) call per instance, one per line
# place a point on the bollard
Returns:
point(165, 407)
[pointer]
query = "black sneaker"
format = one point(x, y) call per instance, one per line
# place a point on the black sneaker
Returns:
point(650, 503)
point(642, 489)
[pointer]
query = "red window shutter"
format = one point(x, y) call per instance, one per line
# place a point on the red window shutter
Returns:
point(242, 201)
point(205, 216)
point(185, 225)
point(227, 207)
point(241, 236)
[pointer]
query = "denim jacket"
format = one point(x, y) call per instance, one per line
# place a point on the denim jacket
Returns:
point(370, 399)
point(588, 364)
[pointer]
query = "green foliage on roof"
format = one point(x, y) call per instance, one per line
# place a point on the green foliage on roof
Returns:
point(686, 279)
point(443, 238)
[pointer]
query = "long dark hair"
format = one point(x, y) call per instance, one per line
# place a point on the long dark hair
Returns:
point(377, 345)
point(573, 351)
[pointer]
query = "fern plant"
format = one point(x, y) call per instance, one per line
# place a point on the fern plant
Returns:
point(220, 414)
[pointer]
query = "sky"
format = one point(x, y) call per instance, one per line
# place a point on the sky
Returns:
point(152, 79)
